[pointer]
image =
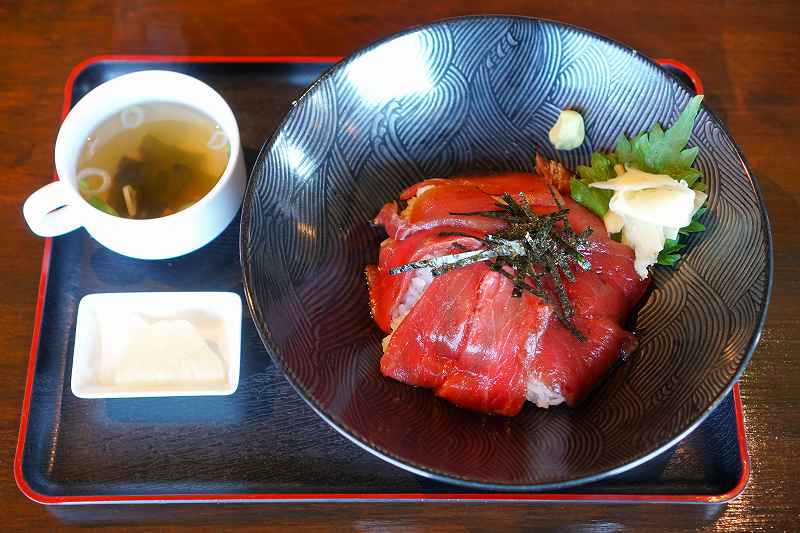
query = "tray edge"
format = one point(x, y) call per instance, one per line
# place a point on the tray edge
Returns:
point(42, 498)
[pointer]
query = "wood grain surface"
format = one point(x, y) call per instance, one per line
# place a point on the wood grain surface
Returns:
point(747, 55)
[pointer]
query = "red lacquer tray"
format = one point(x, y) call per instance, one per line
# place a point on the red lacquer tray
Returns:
point(262, 443)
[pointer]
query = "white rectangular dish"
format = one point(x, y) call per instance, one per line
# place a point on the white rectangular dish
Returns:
point(150, 344)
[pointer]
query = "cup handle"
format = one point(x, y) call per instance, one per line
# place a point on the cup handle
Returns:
point(47, 213)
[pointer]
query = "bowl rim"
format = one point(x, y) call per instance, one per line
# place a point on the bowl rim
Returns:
point(428, 472)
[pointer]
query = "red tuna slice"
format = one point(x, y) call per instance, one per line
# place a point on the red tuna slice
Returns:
point(390, 219)
point(436, 207)
point(412, 191)
point(613, 263)
point(579, 218)
point(439, 203)
point(466, 338)
point(534, 186)
point(490, 374)
point(388, 291)
point(592, 297)
point(434, 214)
point(570, 367)
point(426, 344)
point(610, 288)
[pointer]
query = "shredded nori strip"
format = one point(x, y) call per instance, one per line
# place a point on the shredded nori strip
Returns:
point(530, 249)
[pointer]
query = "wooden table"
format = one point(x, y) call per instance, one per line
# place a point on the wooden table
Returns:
point(747, 54)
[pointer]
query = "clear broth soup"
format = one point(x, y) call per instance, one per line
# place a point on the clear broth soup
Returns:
point(152, 160)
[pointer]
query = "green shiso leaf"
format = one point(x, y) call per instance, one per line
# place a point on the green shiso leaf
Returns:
point(663, 152)
point(595, 200)
point(657, 151)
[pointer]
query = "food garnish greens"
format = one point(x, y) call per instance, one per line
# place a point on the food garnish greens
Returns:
point(531, 248)
point(657, 152)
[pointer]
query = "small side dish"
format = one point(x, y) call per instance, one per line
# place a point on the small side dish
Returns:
point(497, 289)
point(157, 344)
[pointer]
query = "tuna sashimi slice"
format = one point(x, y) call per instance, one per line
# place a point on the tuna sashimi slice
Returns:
point(436, 206)
point(569, 368)
point(512, 182)
point(612, 261)
point(389, 292)
point(490, 375)
point(426, 345)
point(435, 202)
point(467, 339)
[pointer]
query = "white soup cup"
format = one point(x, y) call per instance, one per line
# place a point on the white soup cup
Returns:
point(58, 208)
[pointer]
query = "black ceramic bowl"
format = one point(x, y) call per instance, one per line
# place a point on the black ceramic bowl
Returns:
point(480, 93)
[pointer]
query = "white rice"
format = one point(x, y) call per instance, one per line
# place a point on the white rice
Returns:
point(540, 394)
point(419, 282)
